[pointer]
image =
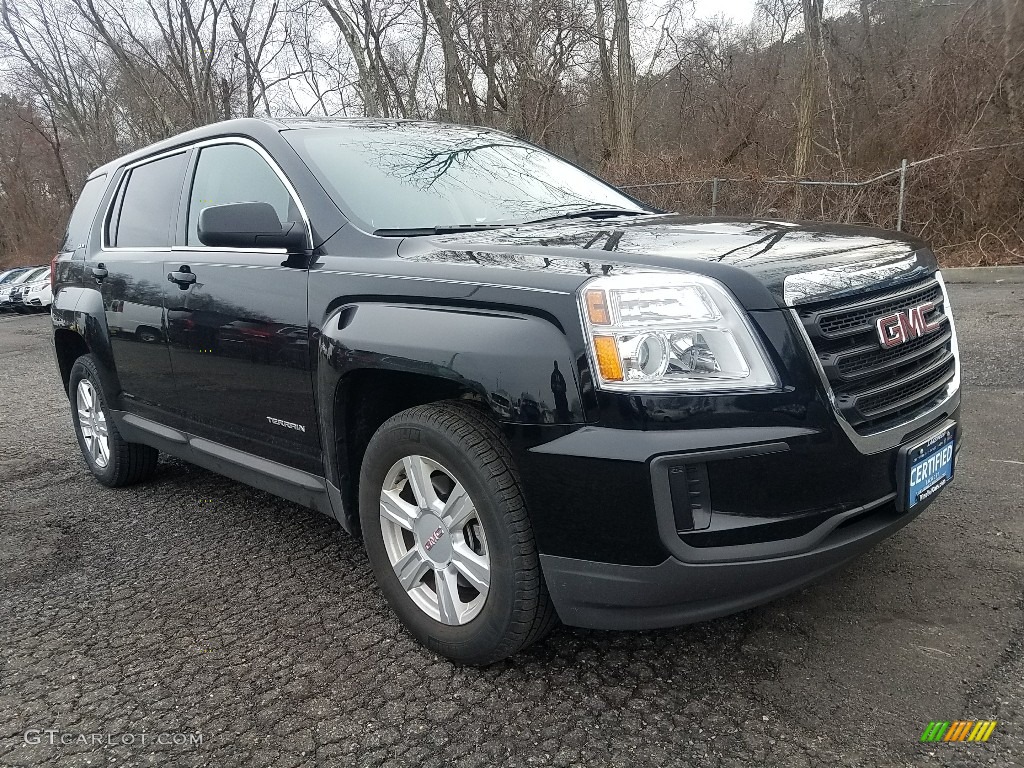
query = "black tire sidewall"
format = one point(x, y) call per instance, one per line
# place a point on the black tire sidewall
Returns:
point(85, 368)
point(478, 638)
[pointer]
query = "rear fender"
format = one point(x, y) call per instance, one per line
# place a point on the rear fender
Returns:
point(80, 310)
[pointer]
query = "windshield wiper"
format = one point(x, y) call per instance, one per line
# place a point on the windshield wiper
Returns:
point(447, 229)
point(591, 213)
point(450, 229)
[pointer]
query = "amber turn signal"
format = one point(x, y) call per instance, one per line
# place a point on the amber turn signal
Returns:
point(608, 358)
point(597, 307)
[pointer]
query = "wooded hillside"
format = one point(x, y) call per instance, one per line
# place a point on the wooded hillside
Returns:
point(641, 92)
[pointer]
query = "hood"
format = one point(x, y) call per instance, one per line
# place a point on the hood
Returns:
point(797, 262)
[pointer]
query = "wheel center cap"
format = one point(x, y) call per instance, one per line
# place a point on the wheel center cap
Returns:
point(434, 537)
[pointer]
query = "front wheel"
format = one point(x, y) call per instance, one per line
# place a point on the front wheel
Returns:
point(448, 536)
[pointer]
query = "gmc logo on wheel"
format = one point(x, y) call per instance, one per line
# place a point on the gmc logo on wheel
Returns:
point(906, 325)
point(434, 538)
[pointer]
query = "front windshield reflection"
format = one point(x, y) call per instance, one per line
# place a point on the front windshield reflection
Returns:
point(405, 176)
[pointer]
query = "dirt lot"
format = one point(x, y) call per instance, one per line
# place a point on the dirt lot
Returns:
point(197, 610)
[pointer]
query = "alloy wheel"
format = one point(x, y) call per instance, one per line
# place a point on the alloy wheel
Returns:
point(93, 423)
point(435, 540)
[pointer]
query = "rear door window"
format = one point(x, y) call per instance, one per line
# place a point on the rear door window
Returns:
point(144, 210)
point(80, 223)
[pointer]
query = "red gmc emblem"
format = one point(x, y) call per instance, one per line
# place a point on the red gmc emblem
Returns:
point(434, 538)
point(905, 325)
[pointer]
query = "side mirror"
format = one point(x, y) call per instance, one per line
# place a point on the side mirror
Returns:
point(249, 225)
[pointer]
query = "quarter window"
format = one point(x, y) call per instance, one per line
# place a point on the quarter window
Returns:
point(142, 216)
point(235, 173)
point(85, 210)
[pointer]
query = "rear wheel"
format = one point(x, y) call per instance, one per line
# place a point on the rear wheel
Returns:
point(448, 537)
point(112, 459)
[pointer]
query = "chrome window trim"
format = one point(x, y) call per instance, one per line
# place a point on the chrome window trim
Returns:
point(877, 442)
point(105, 247)
point(143, 249)
point(206, 249)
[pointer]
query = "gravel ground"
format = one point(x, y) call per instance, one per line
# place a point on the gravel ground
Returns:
point(197, 610)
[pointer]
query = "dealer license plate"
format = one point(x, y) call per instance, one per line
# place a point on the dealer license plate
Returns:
point(929, 466)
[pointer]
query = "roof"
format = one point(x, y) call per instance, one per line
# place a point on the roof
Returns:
point(255, 128)
point(247, 126)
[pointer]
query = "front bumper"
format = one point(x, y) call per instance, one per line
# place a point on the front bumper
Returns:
point(789, 506)
point(613, 596)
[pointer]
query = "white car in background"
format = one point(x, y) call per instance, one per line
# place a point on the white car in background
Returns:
point(16, 284)
point(38, 294)
point(8, 278)
point(9, 274)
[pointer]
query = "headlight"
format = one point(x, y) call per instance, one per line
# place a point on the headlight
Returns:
point(671, 333)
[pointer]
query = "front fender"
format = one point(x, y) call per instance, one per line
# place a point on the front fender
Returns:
point(505, 361)
point(519, 366)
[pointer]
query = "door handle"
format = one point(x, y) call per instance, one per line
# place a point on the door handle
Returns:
point(99, 272)
point(183, 277)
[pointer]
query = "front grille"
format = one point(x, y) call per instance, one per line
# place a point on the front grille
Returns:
point(856, 319)
point(876, 387)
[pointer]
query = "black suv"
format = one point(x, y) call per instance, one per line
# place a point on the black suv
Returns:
point(532, 396)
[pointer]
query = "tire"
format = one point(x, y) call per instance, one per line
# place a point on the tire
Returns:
point(474, 591)
point(113, 461)
point(147, 335)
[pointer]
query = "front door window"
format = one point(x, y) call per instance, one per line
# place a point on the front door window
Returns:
point(235, 173)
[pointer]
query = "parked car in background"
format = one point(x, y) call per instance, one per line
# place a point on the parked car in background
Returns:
point(11, 291)
point(8, 277)
point(9, 274)
point(36, 294)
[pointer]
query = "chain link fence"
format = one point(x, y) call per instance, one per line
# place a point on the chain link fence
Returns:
point(879, 201)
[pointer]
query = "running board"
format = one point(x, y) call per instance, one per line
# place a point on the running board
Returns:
point(303, 488)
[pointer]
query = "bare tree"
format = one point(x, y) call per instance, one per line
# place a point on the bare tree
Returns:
point(807, 107)
point(260, 41)
point(808, 98)
point(1012, 75)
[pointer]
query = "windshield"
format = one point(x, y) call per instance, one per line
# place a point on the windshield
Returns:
point(403, 176)
point(34, 274)
point(27, 275)
point(10, 276)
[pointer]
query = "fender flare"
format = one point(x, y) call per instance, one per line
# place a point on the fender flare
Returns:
point(80, 310)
